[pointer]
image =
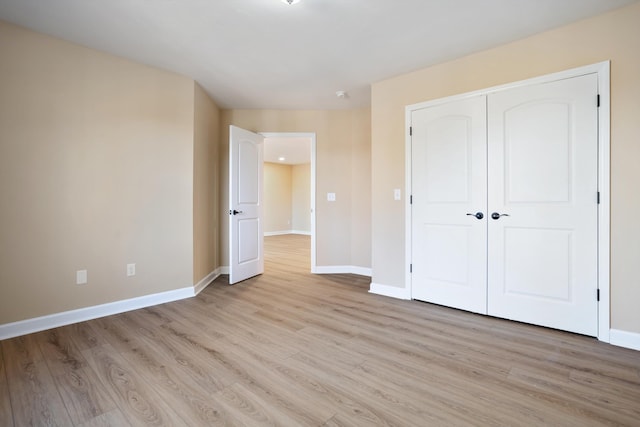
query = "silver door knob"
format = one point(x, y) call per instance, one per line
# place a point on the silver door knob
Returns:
point(497, 215)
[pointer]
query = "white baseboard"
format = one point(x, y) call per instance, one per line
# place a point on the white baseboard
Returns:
point(390, 291)
point(624, 339)
point(276, 233)
point(280, 233)
point(362, 271)
point(224, 269)
point(28, 326)
point(206, 281)
point(342, 269)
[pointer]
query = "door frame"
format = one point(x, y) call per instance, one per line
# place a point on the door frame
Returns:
point(602, 69)
point(312, 136)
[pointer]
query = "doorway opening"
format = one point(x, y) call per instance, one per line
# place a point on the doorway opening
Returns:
point(290, 186)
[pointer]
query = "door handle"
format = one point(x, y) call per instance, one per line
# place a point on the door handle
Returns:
point(497, 215)
point(478, 215)
point(235, 212)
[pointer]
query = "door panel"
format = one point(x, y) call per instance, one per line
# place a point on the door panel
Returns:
point(535, 135)
point(245, 204)
point(248, 240)
point(447, 156)
point(446, 253)
point(248, 162)
point(534, 273)
point(542, 173)
point(449, 180)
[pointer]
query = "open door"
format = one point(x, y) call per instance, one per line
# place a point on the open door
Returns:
point(245, 204)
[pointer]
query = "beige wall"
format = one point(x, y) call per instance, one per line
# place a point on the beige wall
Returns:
point(287, 198)
point(614, 36)
point(96, 171)
point(301, 198)
point(336, 169)
point(361, 189)
point(205, 185)
point(277, 197)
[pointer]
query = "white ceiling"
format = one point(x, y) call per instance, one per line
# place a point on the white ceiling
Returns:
point(295, 150)
point(266, 54)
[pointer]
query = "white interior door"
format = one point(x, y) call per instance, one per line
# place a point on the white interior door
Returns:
point(449, 187)
point(543, 169)
point(245, 204)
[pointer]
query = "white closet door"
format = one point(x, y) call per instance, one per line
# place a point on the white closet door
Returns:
point(449, 182)
point(543, 159)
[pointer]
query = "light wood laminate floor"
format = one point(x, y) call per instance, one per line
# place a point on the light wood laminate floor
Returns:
point(294, 349)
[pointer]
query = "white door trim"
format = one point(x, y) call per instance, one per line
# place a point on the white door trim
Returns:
point(312, 136)
point(602, 69)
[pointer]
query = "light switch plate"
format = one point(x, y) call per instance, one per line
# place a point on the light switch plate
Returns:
point(397, 194)
point(331, 197)
point(81, 277)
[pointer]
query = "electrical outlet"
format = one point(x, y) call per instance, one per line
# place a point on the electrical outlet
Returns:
point(397, 195)
point(131, 270)
point(81, 277)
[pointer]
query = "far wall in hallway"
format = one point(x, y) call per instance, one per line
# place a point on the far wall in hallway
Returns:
point(287, 199)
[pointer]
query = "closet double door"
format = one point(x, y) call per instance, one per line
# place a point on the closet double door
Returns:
point(504, 217)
